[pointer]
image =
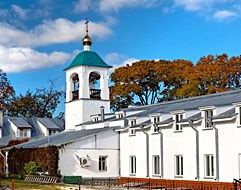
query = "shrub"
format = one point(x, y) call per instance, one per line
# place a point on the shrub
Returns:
point(32, 168)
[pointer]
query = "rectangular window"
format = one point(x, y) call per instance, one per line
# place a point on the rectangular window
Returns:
point(208, 118)
point(209, 165)
point(178, 118)
point(156, 119)
point(132, 132)
point(132, 122)
point(156, 165)
point(103, 163)
point(178, 165)
point(156, 129)
point(132, 165)
point(23, 133)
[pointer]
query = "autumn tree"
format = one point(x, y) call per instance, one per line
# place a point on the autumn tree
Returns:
point(6, 91)
point(139, 80)
point(41, 103)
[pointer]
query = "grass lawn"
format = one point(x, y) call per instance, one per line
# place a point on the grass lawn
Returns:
point(23, 185)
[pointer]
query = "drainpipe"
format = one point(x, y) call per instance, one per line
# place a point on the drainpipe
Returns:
point(217, 153)
point(197, 147)
point(4, 161)
point(147, 150)
point(161, 151)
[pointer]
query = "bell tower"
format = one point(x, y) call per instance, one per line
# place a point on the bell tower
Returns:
point(86, 85)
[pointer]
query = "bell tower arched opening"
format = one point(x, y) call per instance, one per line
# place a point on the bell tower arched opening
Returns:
point(75, 86)
point(94, 85)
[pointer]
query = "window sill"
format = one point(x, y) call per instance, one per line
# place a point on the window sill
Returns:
point(156, 133)
point(208, 177)
point(207, 128)
point(131, 135)
point(156, 175)
point(178, 176)
point(239, 126)
point(178, 131)
point(132, 174)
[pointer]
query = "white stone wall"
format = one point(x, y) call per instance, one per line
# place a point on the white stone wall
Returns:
point(183, 143)
point(79, 111)
point(101, 144)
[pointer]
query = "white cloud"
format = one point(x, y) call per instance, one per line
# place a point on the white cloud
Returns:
point(22, 13)
point(82, 5)
point(118, 60)
point(193, 5)
point(110, 5)
point(23, 59)
point(224, 14)
point(50, 32)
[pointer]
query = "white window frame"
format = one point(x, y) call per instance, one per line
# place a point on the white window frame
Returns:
point(209, 166)
point(207, 115)
point(132, 122)
point(132, 132)
point(132, 165)
point(178, 117)
point(156, 119)
point(23, 133)
point(156, 129)
point(155, 165)
point(178, 166)
point(103, 163)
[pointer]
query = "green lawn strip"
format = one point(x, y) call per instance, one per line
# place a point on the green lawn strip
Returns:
point(23, 185)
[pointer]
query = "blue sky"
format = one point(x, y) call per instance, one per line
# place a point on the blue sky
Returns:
point(39, 38)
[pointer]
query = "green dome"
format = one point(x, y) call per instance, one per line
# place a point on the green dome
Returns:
point(88, 58)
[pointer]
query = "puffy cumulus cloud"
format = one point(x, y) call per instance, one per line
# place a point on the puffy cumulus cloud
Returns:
point(50, 32)
point(118, 60)
point(110, 5)
point(224, 14)
point(19, 59)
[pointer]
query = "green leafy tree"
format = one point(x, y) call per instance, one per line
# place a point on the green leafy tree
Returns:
point(41, 103)
point(6, 91)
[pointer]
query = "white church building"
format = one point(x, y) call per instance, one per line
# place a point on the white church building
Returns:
point(195, 139)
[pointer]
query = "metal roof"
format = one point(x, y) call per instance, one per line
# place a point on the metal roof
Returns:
point(48, 123)
point(62, 138)
point(19, 122)
point(217, 99)
point(8, 133)
point(88, 58)
point(226, 114)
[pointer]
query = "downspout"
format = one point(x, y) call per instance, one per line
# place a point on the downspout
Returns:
point(197, 148)
point(4, 161)
point(147, 150)
point(217, 153)
point(119, 154)
point(161, 151)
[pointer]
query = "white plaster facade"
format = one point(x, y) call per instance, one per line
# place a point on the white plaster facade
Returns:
point(103, 144)
point(222, 141)
point(79, 111)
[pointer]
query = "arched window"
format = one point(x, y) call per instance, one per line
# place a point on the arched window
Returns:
point(75, 87)
point(94, 84)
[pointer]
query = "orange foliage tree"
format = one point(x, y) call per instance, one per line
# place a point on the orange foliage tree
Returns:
point(147, 82)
